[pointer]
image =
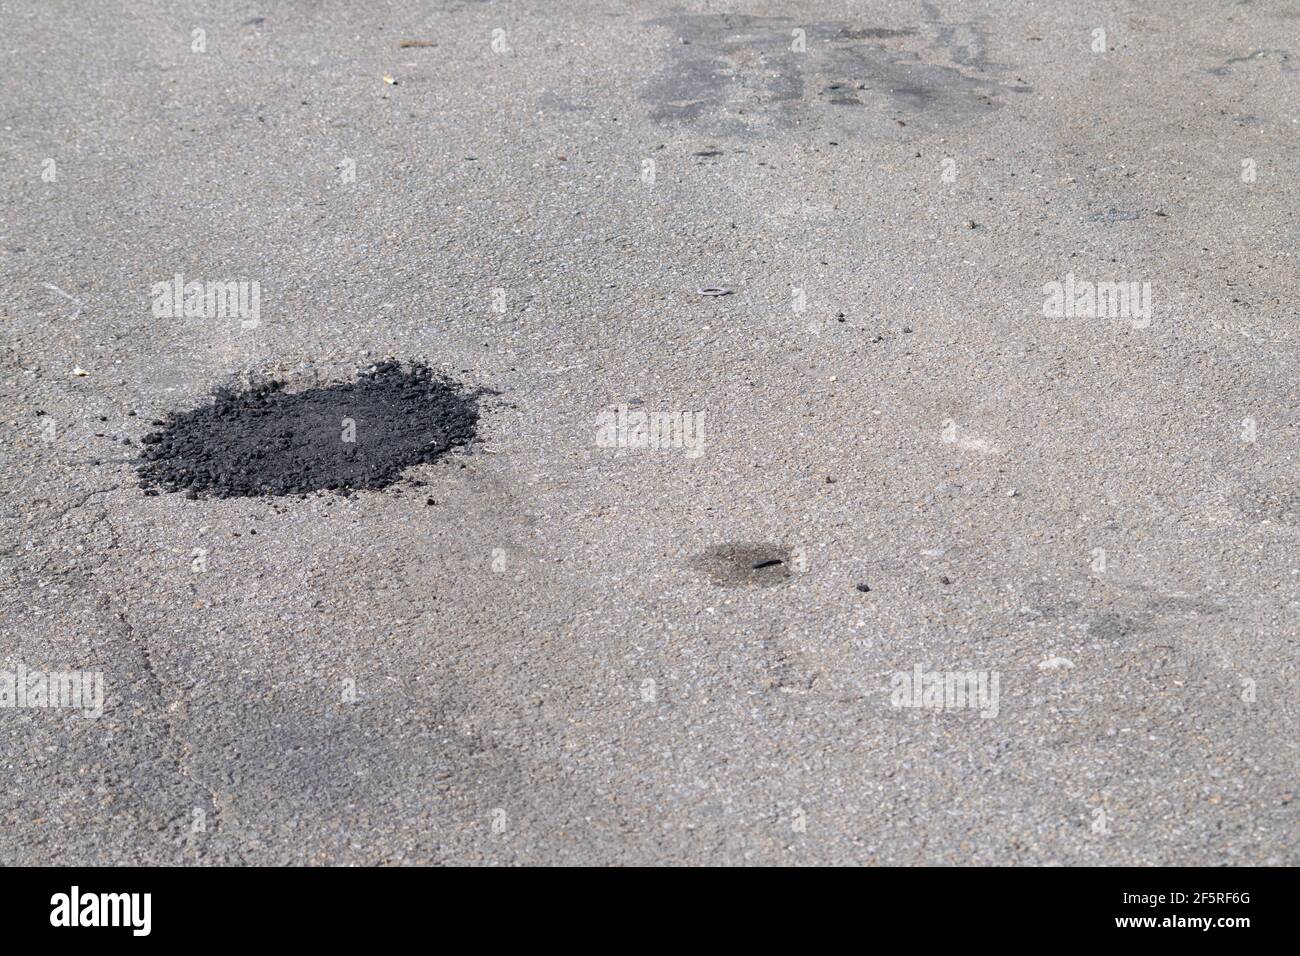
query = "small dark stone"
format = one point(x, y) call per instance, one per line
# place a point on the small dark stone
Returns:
point(864, 588)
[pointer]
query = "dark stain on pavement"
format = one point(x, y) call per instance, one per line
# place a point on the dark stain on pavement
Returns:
point(1112, 625)
point(744, 564)
point(1282, 57)
point(743, 75)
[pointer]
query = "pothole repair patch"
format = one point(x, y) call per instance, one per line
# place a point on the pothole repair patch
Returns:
point(265, 439)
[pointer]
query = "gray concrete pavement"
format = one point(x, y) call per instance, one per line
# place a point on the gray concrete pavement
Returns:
point(570, 658)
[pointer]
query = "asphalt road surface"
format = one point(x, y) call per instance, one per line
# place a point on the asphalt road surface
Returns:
point(964, 529)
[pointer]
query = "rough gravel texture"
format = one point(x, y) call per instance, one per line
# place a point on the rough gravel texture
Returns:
point(569, 657)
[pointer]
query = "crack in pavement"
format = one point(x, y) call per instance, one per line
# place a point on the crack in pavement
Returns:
point(178, 747)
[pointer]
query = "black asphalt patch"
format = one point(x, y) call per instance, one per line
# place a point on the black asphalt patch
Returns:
point(266, 440)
